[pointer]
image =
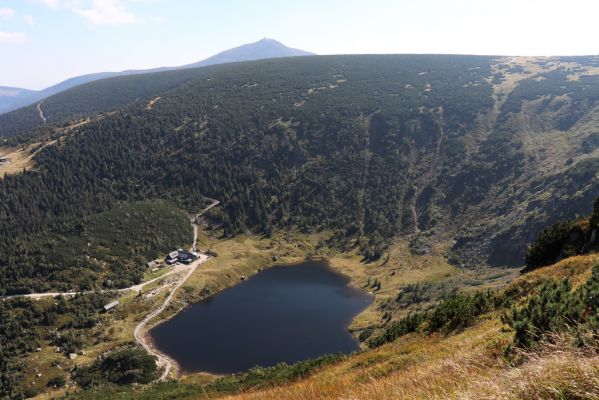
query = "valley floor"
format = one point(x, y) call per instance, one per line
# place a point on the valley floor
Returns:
point(468, 364)
point(244, 256)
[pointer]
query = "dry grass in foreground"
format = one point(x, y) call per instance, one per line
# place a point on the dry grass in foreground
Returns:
point(463, 369)
point(556, 371)
point(466, 365)
point(413, 367)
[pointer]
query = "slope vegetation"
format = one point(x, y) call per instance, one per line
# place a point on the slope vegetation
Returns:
point(534, 339)
point(434, 148)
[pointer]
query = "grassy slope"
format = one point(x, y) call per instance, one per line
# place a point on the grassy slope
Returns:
point(466, 365)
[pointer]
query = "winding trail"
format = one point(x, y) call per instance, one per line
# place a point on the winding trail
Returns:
point(40, 112)
point(163, 360)
point(194, 221)
point(135, 288)
point(139, 333)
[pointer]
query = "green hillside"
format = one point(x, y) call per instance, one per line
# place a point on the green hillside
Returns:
point(101, 251)
point(484, 151)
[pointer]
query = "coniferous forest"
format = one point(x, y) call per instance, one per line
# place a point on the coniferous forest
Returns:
point(367, 147)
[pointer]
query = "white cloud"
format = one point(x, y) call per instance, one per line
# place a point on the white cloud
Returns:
point(107, 12)
point(6, 12)
point(12, 37)
point(28, 19)
point(49, 3)
point(96, 12)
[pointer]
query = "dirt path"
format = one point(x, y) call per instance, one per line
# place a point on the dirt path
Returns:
point(194, 222)
point(163, 361)
point(40, 112)
point(136, 288)
point(152, 102)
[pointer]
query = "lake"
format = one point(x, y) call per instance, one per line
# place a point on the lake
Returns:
point(286, 313)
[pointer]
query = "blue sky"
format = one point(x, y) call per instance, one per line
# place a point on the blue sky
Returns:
point(43, 42)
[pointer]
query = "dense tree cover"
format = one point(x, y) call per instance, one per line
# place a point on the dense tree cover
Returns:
point(367, 147)
point(105, 250)
point(121, 367)
point(549, 243)
point(91, 98)
point(257, 139)
point(564, 239)
point(24, 326)
point(556, 308)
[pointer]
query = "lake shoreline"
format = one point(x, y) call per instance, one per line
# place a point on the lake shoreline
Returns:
point(331, 270)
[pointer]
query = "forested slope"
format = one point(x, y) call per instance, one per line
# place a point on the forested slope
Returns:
point(368, 147)
point(89, 99)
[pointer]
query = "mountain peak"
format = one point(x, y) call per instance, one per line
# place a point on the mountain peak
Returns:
point(13, 98)
point(263, 48)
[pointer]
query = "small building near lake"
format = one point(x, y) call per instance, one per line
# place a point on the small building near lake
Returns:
point(180, 256)
point(111, 305)
point(154, 264)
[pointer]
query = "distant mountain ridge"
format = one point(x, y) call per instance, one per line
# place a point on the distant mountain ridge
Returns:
point(14, 98)
point(12, 91)
point(11, 95)
point(265, 48)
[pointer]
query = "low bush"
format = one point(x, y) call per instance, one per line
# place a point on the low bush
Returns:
point(548, 245)
point(456, 311)
point(461, 310)
point(406, 325)
point(556, 308)
point(57, 382)
point(120, 367)
point(276, 375)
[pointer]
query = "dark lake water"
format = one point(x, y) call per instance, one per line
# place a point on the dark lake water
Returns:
point(283, 314)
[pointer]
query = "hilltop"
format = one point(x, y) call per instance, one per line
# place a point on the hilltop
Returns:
point(260, 50)
point(15, 98)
